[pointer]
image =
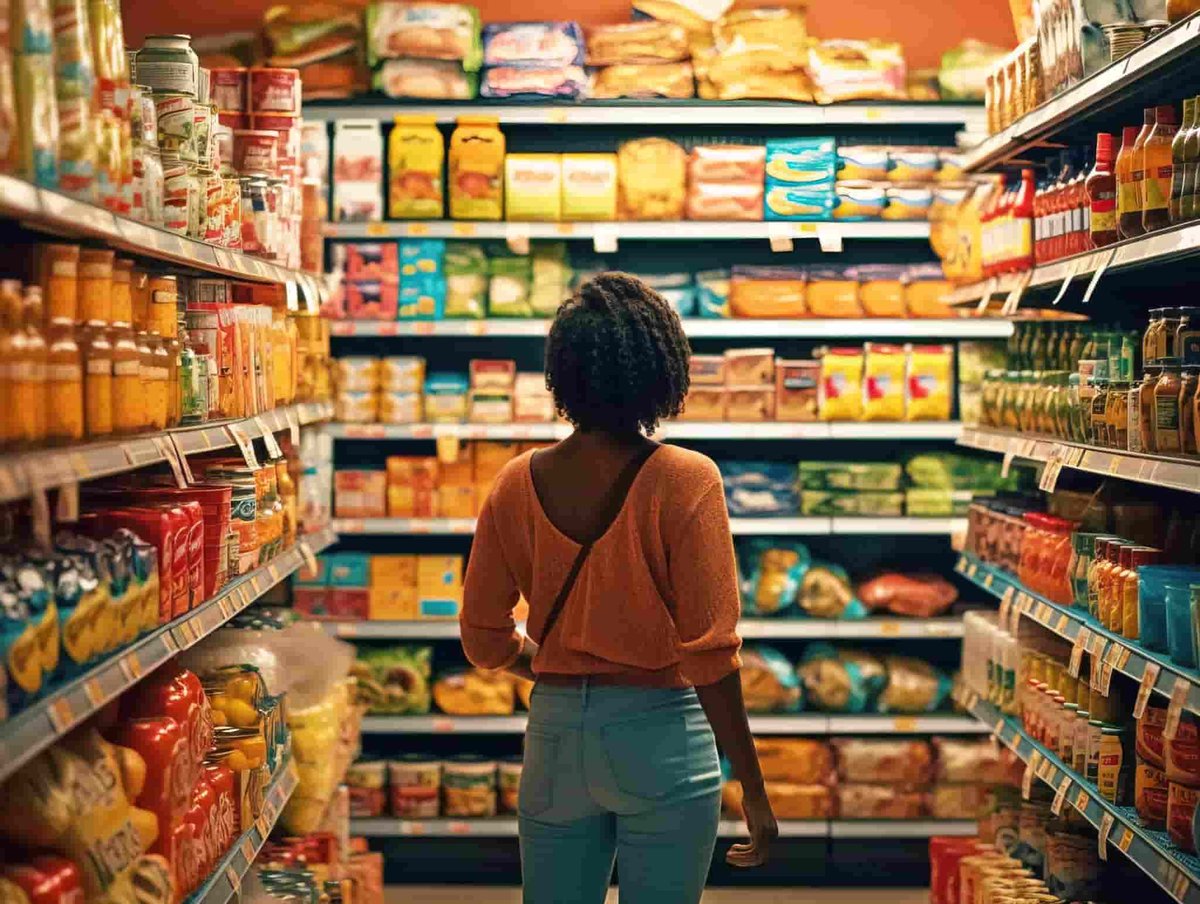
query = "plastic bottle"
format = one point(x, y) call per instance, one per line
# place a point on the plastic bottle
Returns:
point(1177, 159)
point(1021, 213)
point(1191, 157)
point(28, 383)
point(1101, 188)
point(1156, 168)
point(1129, 189)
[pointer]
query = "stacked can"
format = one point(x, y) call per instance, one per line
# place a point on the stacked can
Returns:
point(147, 196)
point(169, 67)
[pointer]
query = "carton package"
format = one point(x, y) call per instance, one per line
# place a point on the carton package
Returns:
point(533, 187)
point(357, 171)
point(589, 187)
point(360, 494)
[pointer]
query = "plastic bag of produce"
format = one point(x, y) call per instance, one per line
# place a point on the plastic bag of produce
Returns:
point(769, 683)
point(883, 760)
point(918, 595)
point(394, 680)
point(774, 571)
point(759, 489)
point(510, 281)
point(913, 686)
point(825, 592)
point(841, 681)
point(473, 692)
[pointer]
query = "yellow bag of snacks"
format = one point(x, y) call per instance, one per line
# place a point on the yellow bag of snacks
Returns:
point(883, 382)
point(652, 179)
point(929, 382)
point(415, 155)
point(841, 384)
point(477, 169)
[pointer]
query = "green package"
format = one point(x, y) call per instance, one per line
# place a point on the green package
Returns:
point(466, 269)
point(551, 277)
point(394, 680)
point(509, 283)
point(829, 475)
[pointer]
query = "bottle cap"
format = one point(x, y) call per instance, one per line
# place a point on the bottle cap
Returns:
point(1128, 136)
point(1104, 146)
point(1164, 114)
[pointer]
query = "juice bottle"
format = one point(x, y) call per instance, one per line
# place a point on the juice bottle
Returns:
point(28, 381)
point(1101, 188)
point(1177, 158)
point(1022, 223)
point(1129, 176)
point(10, 323)
point(1156, 169)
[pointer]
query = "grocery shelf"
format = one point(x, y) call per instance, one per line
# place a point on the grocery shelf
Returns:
point(506, 827)
point(1151, 851)
point(21, 473)
point(748, 628)
point(800, 723)
point(927, 430)
point(38, 726)
point(1155, 470)
point(795, 527)
point(65, 216)
point(703, 328)
point(224, 883)
point(659, 112)
point(1073, 624)
point(829, 233)
point(1090, 98)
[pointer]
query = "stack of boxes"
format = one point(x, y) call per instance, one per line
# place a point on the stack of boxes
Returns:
point(381, 587)
point(370, 278)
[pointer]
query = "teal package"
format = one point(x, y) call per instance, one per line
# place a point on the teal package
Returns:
point(791, 694)
point(775, 570)
point(422, 297)
point(443, 384)
point(349, 569)
point(781, 202)
point(844, 681)
point(712, 294)
point(801, 161)
point(422, 257)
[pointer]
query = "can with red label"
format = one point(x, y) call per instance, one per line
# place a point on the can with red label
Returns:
point(255, 152)
point(227, 89)
point(214, 214)
point(235, 121)
point(175, 195)
point(274, 91)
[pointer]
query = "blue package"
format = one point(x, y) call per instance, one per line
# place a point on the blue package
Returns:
point(349, 569)
point(840, 681)
point(760, 489)
point(520, 82)
point(773, 573)
point(771, 681)
point(422, 298)
point(859, 200)
point(422, 257)
point(676, 288)
point(446, 383)
point(712, 293)
point(782, 202)
point(801, 161)
point(539, 45)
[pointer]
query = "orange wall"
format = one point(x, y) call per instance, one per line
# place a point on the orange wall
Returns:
point(924, 27)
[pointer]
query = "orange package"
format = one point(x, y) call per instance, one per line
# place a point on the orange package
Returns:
point(833, 292)
point(744, 163)
point(704, 403)
point(925, 290)
point(768, 292)
point(411, 486)
point(359, 494)
point(881, 290)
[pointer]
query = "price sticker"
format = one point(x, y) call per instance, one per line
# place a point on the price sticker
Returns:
point(1060, 626)
point(961, 565)
point(443, 725)
point(889, 629)
point(181, 457)
point(170, 642)
point(62, 715)
point(94, 693)
point(167, 450)
point(1106, 826)
point(1062, 290)
point(1046, 771)
point(1180, 884)
point(1050, 471)
point(310, 559)
point(988, 580)
point(131, 667)
point(293, 422)
point(1006, 601)
point(516, 236)
point(1031, 769)
point(780, 238)
point(972, 570)
point(377, 230)
point(248, 850)
point(1060, 797)
point(905, 724)
point(1097, 662)
point(242, 440)
point(418, 229)
point(1149, 679)
point(1105, 261)
point(1082, 801)
point(1125, 840)
point(235, 879)
point(466, 230)
point(1106, 668)
point(1175, 708)
point(1006, 463)
point(458, 827)
point(273, 450)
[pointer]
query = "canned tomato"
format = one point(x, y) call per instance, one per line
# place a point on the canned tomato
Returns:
point(202, 133)
point(176, 126)
point(196, 201)
point(228, 89)
point(175, 196)
point(214, 217)
point(274, 91)
point(255, 152)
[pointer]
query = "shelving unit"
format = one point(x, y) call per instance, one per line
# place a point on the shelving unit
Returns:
point(683, 430)
point(59, 214)
point(38, 726)
point(1177, 873)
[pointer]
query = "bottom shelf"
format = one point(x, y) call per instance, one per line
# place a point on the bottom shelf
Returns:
point(506, 827)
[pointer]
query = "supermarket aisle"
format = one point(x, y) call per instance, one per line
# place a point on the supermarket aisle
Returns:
point(397, 894)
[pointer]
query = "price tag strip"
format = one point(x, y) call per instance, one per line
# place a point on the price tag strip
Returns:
point(1149, 679)
point(1060, 796)
point(1179, 695)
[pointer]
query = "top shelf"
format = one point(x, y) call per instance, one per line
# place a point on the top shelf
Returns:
point(61, 215)
point(661, 113)
point(1090, 102)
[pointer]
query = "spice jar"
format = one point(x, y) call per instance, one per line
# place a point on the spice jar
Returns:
point(128, 395)
point(1187, 410)
point(97, 380)
point(59, 278)
point(64, 383)
point(1187, 337)
point(1166, 407)
point(1146, 412)
point(164, 301)
point(95, 284)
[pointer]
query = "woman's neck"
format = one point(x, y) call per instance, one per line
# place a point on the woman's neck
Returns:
point(602, 441)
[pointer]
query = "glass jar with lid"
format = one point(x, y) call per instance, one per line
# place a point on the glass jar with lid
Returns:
point(1166, 407)
point(1117, 415)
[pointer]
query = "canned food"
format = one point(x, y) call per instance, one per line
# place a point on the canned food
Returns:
point(148, 118)
point(196, 201)
point(175, 196)
point(176, 126)
point(203, 87)
point(235, 121)
point(228, 89)
point(255, 152)
point(274, 91)
point(167, 63)
point(152, 185)
point(254, 205)
point(222, 148)
point(214, 217)
point(202, 133)
point(232, 196)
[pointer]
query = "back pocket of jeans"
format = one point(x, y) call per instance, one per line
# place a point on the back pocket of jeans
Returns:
point(540, 763)
point(650, 757)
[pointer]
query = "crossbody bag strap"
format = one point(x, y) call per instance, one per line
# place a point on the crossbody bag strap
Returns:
point(605, 515)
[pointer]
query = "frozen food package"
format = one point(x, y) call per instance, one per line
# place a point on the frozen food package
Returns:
point(509, 283)
point(759, 488)
point(841, 384)
point(913, 686)
point(769, 683)
point(589, 187)
point(857, 201)
point(466, 274)
point(745, 163)
point(783, 202)
point(863, 801)
point(724, 201)
point(840, 681)
point(917, 595)
point(425, 80)
point(425, 30)
point(533, 187)
point(805, 761)
point(930, 388)
point(645, 41)
point(843, 70)
point(357, 171)
point(535, 44)
point(772, 573)
point(643, 80)
point(833, 292)
point(961, 760)
point(768, 292)
point(826, 592)
point(894, 761)
point(416, 152)
point(651, 179)
point(533, 81)
point(883, 381)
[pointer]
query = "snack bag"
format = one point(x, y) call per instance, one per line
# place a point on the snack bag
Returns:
point(509, 286)
point(769, 683)
point(394, 680)
point(883, 382)
point(833, 292)
point(466, 270)
point(768, 292)
point(775, 572)
point(844, 70)
point(801, 162)
point(551, 278)
point(841, 384)
point(913, 686)
point(930, 369)
point(784, 202)
point(473, 692)
point(425, 80)
point(826, 592)
point(415, 155)
point(651, 179)
point(844, 681)
point(476, 169)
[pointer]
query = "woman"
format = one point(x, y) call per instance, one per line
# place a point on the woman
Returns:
point(636, 659)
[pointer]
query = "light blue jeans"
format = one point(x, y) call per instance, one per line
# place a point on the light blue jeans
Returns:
point(620, 773)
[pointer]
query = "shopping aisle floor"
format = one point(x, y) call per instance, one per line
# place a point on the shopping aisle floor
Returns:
point(455, 894)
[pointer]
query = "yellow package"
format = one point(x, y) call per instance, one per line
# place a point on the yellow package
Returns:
point(840, 396)
point(929, 382)
point(416, 151)
point(490, 459)
point(392, 571)
point(768, 292)
point(883, 382)
point(477, 169)
point(882, 290)
point(533, 187)
point(589, 187)
point(833, 292)
point(652, 179)
point(392, 604)
point(457, 501)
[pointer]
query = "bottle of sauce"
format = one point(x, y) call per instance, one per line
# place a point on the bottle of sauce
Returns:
point(1039, 220)
point(1187, 337)
point(1166, 407)
point(1177, 158)
point(97, 380)
point(1129, 190)
point(59, 266)
point(1157, 168)
point(1022, 216)
point(1055, 208)
point(1080, 238)
point(1146, 415)
point(122, 291)
point(129, 396)
point(1187, 410)
point(95, 284)
point(149, 381)
point(1191, 158)
point(29, 371)
point(64, 383)
point(1101, 187)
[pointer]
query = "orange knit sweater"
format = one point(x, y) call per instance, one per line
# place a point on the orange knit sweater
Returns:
point(657, 598)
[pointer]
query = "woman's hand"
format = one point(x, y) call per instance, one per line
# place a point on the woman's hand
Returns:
point(522, 666)
point(760, 820)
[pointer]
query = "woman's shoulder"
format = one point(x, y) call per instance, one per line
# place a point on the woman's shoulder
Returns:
point(513, 478)
point(685, 472)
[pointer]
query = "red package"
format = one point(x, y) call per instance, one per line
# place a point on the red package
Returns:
point(311, 601)
point(348, 603)
point(226, 824)
point(46, 880)
point(918, 595)
point(157, 527)
point(161, 743)
point(176, 693)
point(945, 854)
point(728, 163)
point(199, 817)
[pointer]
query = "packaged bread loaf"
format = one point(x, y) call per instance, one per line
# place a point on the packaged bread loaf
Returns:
point(884, 801)
point(883, 760)
point(769, 683)
point(788, 800)
point(652, 177)
point(805, 761)
point(424, 30)
point(646, 41)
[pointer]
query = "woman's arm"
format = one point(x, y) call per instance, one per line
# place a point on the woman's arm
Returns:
point(489, 633)
point(726, 711)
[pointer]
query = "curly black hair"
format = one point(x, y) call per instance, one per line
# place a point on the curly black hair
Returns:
point(617, 356)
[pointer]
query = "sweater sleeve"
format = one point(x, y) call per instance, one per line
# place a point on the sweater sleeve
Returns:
point(704, 581)
point(489, 635)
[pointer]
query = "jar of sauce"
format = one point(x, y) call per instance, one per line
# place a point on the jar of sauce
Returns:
point(1150, 354)
point(1187, 410)
point(97, 380)
point(95, 284)
point(1166, 407)
point(164, 299)
point(1146, 410)
point(128, 393)
point(1117, 415)
point(64, 383)
point(122, 292)
point(59, 266)
point(1187, 337)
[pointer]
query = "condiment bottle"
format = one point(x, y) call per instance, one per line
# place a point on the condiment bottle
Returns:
point(122, 291)
point(1146, 411)
point(1166, 407)
point(1187, 337)
point(1191, 157)
point(149, 381)
point(1156, 167)
point(139, 291)
point(29, 371)
point(129, 395)
point(1150, 354)
point(1129, 177)
point(10, 324)
point(64, 383)
point(59, 277)
point(164, 298)
point(158, 389)
point(1178, 168)
point(1101, 188)
point(95, 284)
point(193, 380)
point(1187, 410)
point(97, 380)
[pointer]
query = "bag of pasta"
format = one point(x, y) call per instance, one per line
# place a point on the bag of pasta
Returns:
point(774, 571)
point(769, 683)
point(840, 681)
point(913, 686)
